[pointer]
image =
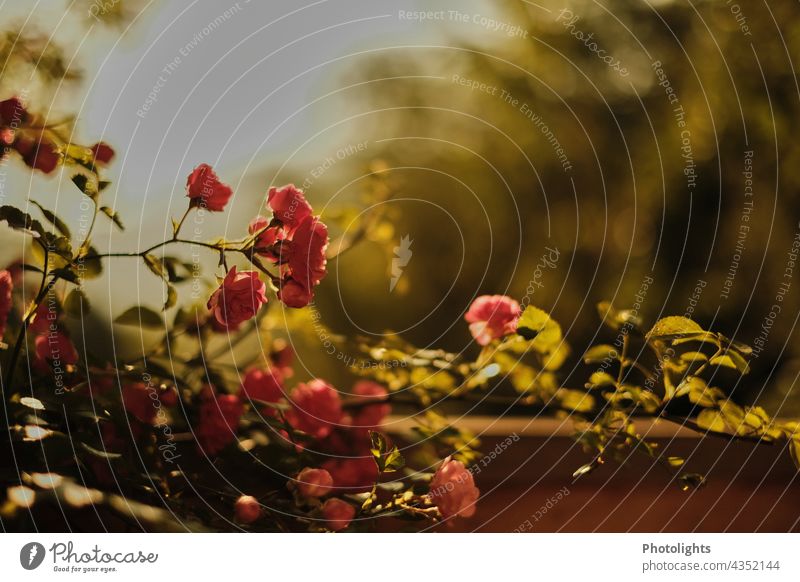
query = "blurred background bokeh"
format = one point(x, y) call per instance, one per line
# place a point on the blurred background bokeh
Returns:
point(558, 152)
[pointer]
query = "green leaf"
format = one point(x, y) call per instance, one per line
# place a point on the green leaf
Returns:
point(57, 245)
point(68, 274)
point(89, 267)
point(19, 220)
point(155, 266)
point(675, 461)
point(31, 402)
point(616, 318)
point(85, 185)
point(76, 304)
point(599, 354)
point(743, 349)
point(53, 219)
point(674, 326)
point(575, 400)
point(172, 297)
point(140, 316)
point(693, 357)
point(114, 216)
point(794, 449)
point(394, 461)
point(537, 325)
point(711, 420)
point(600, 380)
point(703, 337)
point(731, 359)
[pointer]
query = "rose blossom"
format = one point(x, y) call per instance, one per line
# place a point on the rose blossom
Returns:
point(238, 298)
point(338, 514)
point(12, 112)
point(316, 408)
point(137, 401)
point(55, 347)
point(265, 241)
point(204, 189)
point(305, 262)
point(294, 294)
point(6, 287)
point(354, 474)
point(247, 509)
point(39, 155)
point(492, 317)
point(102, 153)
point(306, 254)
point(218, 422)
point(453, 490)
point(265, 385)
point(370, 416)
point(289, 205)
point(313, 482)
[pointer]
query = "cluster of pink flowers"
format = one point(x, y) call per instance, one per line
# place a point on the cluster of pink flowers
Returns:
point(36, 151)
point(316, 410)
point(492, 317)
point(294, 240)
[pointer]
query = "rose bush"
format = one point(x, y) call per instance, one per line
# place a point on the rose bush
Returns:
point(190, 435)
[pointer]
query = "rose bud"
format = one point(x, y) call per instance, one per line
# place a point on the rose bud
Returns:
point(247, 509)
point(313, 482)
point(338, 514)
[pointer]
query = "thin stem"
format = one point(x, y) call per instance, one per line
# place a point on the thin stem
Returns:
point(85, 244)
point(180, 224)
point(23, 332)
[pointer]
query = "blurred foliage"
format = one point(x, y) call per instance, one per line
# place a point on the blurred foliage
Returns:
point(481, 185)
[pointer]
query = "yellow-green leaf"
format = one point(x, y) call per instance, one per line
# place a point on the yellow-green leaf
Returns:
point(672, 327)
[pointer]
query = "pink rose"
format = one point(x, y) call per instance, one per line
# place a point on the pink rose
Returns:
point(204, 189)
point(282, 356)
point(313, 482)
point(264, 244)
point(370, 416)
point(306, 253)
point(492, 317)
point(12, 112)
point(265, 385)
point(218, 422)
point(304, 261)
point(354, 474)
point(247, 509)
point(56, 349)
point(137, 400)
point(338, 514)
point(294, 294)
point(39, 155)
point(316, 408)
point(6, 287)
point(453, 490)
point(238, 298)
point(102, 153)
point(289, 205)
